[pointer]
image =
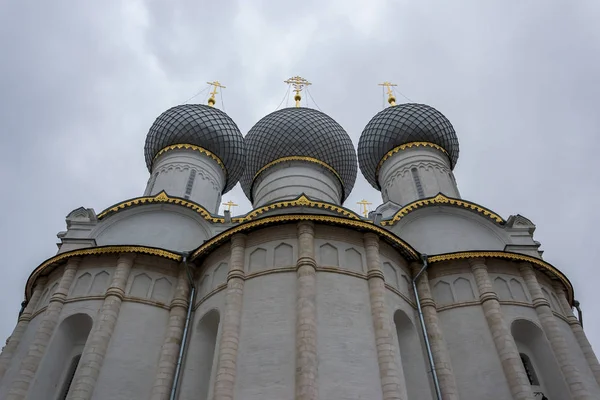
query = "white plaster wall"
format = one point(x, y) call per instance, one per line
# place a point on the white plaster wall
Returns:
point(266, 358)
point(396, 180)
point(15, 363)
point(164, 226)
point(172, 170)
point(473, 355)
point(288, 180)
point(437, 230)
point(346, 352)
point(130, 364)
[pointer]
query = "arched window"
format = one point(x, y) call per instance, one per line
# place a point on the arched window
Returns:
point(529, 370)
point(417, 180)
point(69, 377)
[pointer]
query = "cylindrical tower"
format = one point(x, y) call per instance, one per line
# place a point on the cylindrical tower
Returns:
point(297, 151)
point(408, 151)
point(195, 152)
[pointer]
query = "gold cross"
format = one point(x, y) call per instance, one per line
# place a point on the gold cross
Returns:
point(215, 85)
point(230, 204)
point(388, 86)
point(298, 83)
point(364, 209)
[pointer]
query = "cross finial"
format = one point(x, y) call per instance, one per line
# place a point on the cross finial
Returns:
point(230, 204)
point(390, 93)
point(364, 209)
point(299, 83)
point(215, 85)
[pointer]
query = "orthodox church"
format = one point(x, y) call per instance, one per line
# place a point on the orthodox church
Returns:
point(427, 297)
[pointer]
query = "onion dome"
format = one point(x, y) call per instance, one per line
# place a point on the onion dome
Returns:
point(203, 126)
point(404, 124)
point(299, 133)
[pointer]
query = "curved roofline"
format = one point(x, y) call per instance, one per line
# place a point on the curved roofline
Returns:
point(537, 262)
point(297, 158)
point(438, 200)
point(300, 201)
point(187, 146)
point(161, 197)
point(52, 261)
point(407, 251)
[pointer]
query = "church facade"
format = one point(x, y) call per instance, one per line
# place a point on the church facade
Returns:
point(429, 296)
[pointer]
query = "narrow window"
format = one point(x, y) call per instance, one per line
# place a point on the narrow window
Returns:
point(69, 377)
point(190, 184)
point(417, 179)
point(531, 375)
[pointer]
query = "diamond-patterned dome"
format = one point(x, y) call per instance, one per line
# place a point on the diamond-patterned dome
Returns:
point(200, 125)
point(401, 124)
point(300, 132)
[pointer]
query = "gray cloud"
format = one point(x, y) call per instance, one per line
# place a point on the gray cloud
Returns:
point(81, 83)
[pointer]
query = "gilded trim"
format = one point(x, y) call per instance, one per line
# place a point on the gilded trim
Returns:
point(438, 200)
point(408, 146)
point(405, 248)
point(299, 158)
point(541, 264)
point(162, 197)
point(187, 146)
point(302, 201)
point(96, 251)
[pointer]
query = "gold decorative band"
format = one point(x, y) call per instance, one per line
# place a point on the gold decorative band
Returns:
point(541, 264)
point(408, 146)
point(95, 251)
point(193, 147)
point(299, 158)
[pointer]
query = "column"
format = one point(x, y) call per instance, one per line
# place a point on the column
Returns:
point(96, 345)
point(169, 352)
point(230, 335)
point(554, 335)
point(578, 331)
point(17, 334)
point(306, 314)
point(31, 362)
point(392, 382)
point(503, 339)
point(439, 349)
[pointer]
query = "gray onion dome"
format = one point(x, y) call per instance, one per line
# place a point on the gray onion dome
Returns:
point(402, 124)
point(203, 126)
point(301, 132)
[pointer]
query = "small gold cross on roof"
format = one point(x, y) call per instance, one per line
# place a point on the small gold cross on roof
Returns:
point(230, 204)
point(388, 86)
point(215, 85)
point(364, 209)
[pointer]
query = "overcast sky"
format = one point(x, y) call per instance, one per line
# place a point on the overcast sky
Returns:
point(81, 83)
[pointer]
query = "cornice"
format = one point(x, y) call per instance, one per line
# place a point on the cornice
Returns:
point(52, 261)
point(407, 146)
point(407, 251)
point(440, 199)
point(162, 197)
point(193, 147)
point(302, 201)
point(540, 264)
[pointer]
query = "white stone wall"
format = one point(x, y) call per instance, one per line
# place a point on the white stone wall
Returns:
point(288, 180)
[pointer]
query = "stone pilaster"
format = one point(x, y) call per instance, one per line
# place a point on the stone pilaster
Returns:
point(392, 382)
point(578, 331)
point(503, 339)
point(96, 345)
point(230, 336)
point(31, 362)
point(169, 352)
point(15, 338)
point(554, 335)
point(441, 357)
point(306, 314)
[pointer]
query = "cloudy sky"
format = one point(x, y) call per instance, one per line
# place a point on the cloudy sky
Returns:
point(81, 83)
